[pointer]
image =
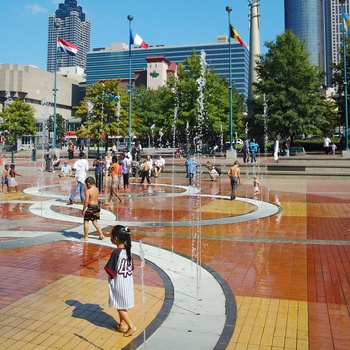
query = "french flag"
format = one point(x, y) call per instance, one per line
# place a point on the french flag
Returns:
point(135, 39)
point(65, 46)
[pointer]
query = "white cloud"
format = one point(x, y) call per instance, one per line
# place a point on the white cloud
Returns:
point(35, 9)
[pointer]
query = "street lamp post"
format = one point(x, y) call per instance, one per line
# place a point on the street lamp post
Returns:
point(130, 18)
point(16, 148)
point(345, 81)
point(228, 10)
point(56, 25)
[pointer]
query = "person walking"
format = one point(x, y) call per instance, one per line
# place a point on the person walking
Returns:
point(99, 166)
point(245, 150)
point(254, 147)
point(120, 268)
point(234, 174)
point(191, 168)
point(334, 148)
point(91, 209)
point(81, 167)
point(126, 168)
point(276, 150)
point(5, 178)
point(108, 163)
point(326, 143)
point(13, 174)
point(138, 150)
point(70, 149)
point(287, 145)
point(256, 187)
point(145, 172)
point(114, 172)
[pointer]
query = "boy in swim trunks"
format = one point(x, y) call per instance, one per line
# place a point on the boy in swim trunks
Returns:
point(91, 208)
point(13, 174)
point(5, 178)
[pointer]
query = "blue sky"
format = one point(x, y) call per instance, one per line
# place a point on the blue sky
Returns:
point(23, 23)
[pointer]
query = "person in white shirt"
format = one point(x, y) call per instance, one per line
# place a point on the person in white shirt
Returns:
point(326, 143)
point(66, 170)
point(126, 166)
point(276, 150)
point(114, 149)
point(138, 151)
point(81, 167)
point(128, 154)
point(159, 166)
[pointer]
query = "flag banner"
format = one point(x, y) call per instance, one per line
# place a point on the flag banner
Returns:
point(135, 39)
point(234, 35)
point(65, 46)
point(346, 22)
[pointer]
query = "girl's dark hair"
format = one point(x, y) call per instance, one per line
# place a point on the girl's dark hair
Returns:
point(123, 233)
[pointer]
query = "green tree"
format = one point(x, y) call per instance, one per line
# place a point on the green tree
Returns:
point(216, 103)
point(153, 107)
point(61, 126)
point(291, 86)
point(17, 120)
point(108, 114)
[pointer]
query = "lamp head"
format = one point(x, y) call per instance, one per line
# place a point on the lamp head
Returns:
point(342, 2)
point(130, 18)
point(57, 24)
point(228, 9)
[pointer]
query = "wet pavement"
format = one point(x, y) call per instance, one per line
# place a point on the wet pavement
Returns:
point(218, 274)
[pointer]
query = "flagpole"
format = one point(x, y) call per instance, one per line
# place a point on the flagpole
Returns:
point(229, 9)
point(345, 82)
point(130, 18)
point(56, 25)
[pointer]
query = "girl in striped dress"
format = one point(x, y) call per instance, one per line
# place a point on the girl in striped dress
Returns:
point(121, 284)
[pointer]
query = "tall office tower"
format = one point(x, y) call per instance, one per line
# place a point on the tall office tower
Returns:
point(333, 33)
point(74, 28)
point(305, 19)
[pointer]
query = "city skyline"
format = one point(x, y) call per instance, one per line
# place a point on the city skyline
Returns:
point(27, 44)
point(69, 23)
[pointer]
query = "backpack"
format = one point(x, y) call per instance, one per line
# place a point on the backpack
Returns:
point(218, 170)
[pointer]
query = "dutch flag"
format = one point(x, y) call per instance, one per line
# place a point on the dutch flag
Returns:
point(65, 46)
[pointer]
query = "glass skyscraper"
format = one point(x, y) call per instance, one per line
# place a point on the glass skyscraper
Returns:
point(319, 24)
point(305, 19)
point(334, 32)
point(113, 62)
point(74, 28)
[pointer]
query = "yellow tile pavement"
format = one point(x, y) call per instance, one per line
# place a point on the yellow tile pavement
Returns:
point(270, 323)
point(78, 315)
point(228, 207)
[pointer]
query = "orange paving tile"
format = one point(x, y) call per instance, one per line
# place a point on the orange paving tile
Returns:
point(290, 272)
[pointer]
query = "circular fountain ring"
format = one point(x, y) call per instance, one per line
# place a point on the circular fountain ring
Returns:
point(260, 210)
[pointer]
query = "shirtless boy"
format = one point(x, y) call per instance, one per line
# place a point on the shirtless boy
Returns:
point(91, 208)
point(13, 174)
point(5, 178)
point(256, 185)
point(234, 174)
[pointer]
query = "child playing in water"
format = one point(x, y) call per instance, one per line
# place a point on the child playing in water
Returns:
point(114, 169)
point(5, 178)
point(121, 284)
point(256, 185)
point(13, 174)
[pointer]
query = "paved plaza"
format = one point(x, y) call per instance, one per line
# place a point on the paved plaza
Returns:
point(210, 273)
